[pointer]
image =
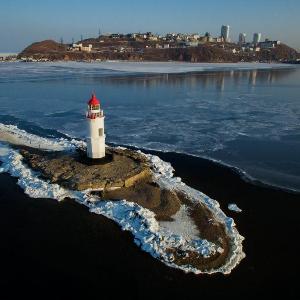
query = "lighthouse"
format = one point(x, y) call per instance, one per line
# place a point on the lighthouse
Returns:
point(96, 136)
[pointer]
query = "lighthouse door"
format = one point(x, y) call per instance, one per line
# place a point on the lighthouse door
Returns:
point(100, 131)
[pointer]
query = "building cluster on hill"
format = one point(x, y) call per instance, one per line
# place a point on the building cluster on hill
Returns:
point(256, 44)
point(151, 40)
point(80, 47)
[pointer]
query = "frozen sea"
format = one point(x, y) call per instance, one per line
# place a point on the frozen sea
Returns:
point(244, 115)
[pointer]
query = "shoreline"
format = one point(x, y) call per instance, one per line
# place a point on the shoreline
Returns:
point(283, 64)
point(243, 174)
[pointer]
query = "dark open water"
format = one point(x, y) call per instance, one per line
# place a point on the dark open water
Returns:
point(59, 250)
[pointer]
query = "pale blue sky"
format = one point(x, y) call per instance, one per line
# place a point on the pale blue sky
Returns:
point(27, 21)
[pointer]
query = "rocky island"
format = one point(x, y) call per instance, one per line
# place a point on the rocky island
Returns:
point(178, 225)
point(128, 176)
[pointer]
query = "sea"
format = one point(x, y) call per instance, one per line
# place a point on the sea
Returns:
point(244, 115)
point(227, 135)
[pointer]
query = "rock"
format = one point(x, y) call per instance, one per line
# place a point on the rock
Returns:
point(138, 177)
point(75, 171)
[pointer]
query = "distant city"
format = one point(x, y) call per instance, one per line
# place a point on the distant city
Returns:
point(175, 40)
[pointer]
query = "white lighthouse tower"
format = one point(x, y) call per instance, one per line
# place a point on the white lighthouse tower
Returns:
point(96, 136)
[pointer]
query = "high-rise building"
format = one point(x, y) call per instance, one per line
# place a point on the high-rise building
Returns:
point(242, 38)
point(256, 38)
point(225, 32)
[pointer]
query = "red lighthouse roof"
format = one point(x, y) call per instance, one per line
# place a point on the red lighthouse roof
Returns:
point(93, 101)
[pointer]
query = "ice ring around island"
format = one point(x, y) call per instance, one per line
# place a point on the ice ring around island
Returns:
point(175, 223)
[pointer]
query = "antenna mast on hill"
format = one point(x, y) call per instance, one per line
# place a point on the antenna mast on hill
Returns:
point(81, 38)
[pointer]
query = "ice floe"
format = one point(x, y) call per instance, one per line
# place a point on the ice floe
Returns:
point(183, 67)
point(234, 207)
point(74, 69)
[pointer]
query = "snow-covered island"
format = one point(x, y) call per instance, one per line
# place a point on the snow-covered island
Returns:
point(176, 224)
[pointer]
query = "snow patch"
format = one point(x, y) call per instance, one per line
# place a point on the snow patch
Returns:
point(182, 224)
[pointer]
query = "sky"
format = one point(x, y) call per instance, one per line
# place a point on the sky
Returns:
point(23, 22)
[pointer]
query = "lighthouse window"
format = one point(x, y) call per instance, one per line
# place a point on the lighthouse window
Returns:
point(95, 107)
point(100, 131)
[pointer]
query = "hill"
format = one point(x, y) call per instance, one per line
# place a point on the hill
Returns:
point(47, 46)
point(128, 49)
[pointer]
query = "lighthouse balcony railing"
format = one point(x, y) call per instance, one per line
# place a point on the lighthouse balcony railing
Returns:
point(92, 115)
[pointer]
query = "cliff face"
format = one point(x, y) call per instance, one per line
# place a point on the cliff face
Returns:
point(138, 51)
